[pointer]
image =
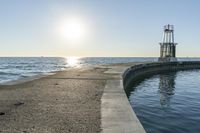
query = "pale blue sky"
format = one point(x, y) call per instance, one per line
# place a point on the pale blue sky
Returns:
point(116, 27)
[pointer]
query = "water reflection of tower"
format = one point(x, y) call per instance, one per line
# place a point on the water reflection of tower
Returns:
point(166, 88)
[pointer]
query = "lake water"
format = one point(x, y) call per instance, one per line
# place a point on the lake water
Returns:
point(14, 68)
point(168, 103)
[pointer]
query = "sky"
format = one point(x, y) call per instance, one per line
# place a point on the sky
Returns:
point(113, 28)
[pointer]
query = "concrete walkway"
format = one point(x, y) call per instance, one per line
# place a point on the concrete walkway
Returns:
point(116, 112)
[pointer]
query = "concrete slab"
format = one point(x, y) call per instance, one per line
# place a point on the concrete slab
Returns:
point(116, 112)
point(117, 70)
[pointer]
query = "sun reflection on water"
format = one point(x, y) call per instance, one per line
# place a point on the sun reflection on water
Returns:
point(73, 61)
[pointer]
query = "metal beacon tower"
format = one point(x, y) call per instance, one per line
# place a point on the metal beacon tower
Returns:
point(168, 47)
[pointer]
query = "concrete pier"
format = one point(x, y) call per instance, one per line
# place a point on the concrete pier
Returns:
point(138, 72)
point(117, 114)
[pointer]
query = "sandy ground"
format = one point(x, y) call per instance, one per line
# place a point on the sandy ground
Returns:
point(68, 101)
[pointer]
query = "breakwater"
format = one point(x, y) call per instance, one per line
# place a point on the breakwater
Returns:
point(141, 71)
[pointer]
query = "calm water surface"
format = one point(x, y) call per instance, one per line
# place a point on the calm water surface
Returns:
point(168, 103)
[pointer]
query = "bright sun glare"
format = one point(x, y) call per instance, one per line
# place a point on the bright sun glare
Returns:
point(73, 30)
point(72, 61)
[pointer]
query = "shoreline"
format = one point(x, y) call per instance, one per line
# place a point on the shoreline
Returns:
point(27, 79)
point(68, 101)
point(42, 75)
point(34, 77)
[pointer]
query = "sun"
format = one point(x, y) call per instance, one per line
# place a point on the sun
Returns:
point(73, 30)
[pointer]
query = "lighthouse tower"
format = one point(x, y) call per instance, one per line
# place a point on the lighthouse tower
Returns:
point(168, 47)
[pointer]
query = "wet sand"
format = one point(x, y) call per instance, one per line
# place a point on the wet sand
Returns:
point(69, 101)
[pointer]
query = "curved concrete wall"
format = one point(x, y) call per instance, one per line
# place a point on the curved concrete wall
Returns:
point(141, 71)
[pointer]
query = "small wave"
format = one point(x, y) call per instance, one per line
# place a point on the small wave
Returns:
point(6, 73)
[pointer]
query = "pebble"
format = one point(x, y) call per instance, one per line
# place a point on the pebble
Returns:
point(2, 113)
point(18, 103)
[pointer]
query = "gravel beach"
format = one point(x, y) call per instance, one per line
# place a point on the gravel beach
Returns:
point(68, 101)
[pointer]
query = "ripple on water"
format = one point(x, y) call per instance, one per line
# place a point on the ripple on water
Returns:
point(168, 103)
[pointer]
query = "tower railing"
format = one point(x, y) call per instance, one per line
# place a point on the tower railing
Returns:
point(168, 47)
